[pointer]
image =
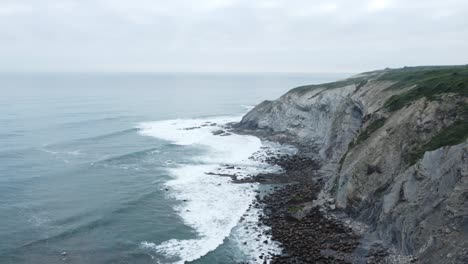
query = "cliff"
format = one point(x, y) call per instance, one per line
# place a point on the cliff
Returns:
point(393, 149)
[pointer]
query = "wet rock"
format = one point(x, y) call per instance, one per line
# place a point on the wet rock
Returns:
point(191, 128)
point(305, 232)
point(218, 132)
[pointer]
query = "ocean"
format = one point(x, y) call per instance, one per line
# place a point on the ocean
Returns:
point(120, 168)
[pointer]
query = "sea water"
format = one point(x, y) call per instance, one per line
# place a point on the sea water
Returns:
point(121, 168)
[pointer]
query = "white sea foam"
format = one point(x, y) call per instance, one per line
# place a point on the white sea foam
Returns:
point(213, 205)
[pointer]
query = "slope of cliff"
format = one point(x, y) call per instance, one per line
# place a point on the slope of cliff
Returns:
point(393, 148)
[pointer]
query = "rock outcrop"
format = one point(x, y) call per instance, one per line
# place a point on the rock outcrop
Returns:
point(394, 152)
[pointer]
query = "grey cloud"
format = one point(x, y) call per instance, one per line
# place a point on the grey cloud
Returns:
point(230, 35)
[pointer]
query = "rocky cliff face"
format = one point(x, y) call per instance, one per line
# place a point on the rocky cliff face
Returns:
point(393, 147)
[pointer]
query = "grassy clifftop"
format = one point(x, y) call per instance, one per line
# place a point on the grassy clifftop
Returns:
point(428, 82)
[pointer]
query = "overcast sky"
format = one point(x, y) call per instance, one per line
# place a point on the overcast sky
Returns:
point(230, 35)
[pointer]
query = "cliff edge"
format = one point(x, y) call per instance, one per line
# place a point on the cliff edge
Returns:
point(393, 150)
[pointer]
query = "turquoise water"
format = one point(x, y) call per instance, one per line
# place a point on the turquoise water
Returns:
point(80, 182)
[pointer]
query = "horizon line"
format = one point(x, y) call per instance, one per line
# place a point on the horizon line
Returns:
point(178, 72)
point(351, 72)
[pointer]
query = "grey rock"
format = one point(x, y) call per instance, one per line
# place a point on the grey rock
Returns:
point(218, 132)
point(373, 179)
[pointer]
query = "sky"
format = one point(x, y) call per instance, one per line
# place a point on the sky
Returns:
point(230, 35)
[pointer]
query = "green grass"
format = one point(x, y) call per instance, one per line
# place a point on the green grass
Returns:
point(408, 76)
point(361, 84)
point(344, 157)
point(334, 188)
point(359, 81)
point(371, 128)
point(429, 82)
point(449, 136)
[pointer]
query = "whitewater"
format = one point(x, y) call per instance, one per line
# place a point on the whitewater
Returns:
point(85, 171)
point(211, 204)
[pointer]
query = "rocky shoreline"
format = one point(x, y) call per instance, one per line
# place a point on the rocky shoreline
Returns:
point(393, 150)
point(308, 233)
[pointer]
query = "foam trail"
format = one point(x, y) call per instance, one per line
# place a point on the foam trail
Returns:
point(212, 204)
